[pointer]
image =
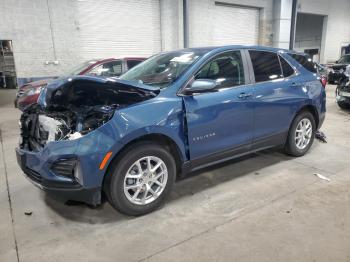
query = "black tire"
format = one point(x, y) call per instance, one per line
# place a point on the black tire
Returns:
point(114, 183)
point(291, 147)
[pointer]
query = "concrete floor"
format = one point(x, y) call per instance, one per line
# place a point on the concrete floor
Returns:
point(265, 207)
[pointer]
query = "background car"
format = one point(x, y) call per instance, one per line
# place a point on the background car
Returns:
point(336, 70)
point(28, 93)
point(342, 92)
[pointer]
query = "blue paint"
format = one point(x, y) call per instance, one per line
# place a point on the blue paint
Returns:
point(215, 121)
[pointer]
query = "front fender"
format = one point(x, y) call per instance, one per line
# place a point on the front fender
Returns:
point(157, 116)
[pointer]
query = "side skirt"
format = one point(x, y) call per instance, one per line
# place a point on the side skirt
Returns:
point(223, 156)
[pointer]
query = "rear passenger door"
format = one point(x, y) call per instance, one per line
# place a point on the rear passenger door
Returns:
point(273, 97)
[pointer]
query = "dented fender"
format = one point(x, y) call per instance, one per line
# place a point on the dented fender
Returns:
point(164, 117)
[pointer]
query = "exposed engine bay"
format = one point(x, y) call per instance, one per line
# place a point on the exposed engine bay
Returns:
point(75, 109)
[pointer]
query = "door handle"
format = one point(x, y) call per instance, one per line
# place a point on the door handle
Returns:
point(244, 95)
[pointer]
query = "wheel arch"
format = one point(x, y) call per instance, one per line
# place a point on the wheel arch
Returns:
point(152, 138)
point(312, 109)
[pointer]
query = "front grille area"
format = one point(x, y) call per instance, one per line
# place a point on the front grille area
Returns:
point(64, 167)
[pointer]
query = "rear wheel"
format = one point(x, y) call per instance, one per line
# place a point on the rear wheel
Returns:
point(301, 134)
point(140, 180)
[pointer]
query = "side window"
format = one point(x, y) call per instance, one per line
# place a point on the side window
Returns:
point(305, 61)
point(287, 70)
point(226, 69)
point(266, 65)
point(131, 63)
point(113, 68)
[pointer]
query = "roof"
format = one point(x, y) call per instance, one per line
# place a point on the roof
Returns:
point(228, 47)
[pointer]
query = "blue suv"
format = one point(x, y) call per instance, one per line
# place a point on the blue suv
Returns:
point(130, 138)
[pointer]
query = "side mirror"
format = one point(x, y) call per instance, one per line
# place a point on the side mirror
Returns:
point(336, 61)
point(201, 86)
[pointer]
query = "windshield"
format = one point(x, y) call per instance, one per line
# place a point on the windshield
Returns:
point(79, 68)
point(163, 69)
point(344, 60)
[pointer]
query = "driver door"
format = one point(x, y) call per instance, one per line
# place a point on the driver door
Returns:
point(220, 121)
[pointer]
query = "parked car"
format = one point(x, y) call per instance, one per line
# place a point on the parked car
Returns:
point(28, 93)
point(336, 70)
point(342, 92)
point(176, 112)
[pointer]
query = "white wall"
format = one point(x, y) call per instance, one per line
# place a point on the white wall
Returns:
point(337, 31)
point(171, 24)
point(201, 20)
point(282, 16)
point(68, 31)
point(27, 23)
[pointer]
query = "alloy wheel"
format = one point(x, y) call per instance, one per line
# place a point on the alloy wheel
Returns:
point(145, 180)
point(303, 133)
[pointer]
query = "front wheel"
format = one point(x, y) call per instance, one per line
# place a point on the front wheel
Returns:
point(141, 178)
point(301, 134)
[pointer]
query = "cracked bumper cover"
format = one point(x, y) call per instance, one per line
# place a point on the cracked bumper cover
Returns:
point(86, 183)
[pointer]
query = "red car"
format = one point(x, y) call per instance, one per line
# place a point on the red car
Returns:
point(28, 93)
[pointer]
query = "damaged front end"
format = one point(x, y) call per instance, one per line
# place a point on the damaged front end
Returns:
point(75, 107)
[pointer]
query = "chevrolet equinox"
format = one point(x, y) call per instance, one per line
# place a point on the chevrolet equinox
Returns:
point(129, 138)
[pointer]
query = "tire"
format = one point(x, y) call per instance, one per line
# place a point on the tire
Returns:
point(124, 171)
point(292, 147)
point(342, 102)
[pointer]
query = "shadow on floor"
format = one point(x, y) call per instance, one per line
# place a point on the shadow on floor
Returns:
point(193, 183)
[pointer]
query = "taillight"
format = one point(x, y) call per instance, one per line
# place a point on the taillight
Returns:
point(323, 81)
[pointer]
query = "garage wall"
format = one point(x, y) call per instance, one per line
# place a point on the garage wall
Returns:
point(27, 23)
point(337, 27)
point(118, 28)
point(308, 31)
point(202, 20)
point(71, 31)
point(171, 15)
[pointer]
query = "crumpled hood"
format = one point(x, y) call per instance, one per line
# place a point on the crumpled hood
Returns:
point(92, 86)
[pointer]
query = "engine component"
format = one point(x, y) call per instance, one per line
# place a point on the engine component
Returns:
point(75, 108)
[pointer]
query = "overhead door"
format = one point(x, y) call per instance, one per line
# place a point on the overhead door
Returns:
point(113, 28)
point(235, 25)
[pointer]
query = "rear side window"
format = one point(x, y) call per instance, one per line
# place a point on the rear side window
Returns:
point(287, 70)
point(266, 65)
point(305, 61)
point(131, 63)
